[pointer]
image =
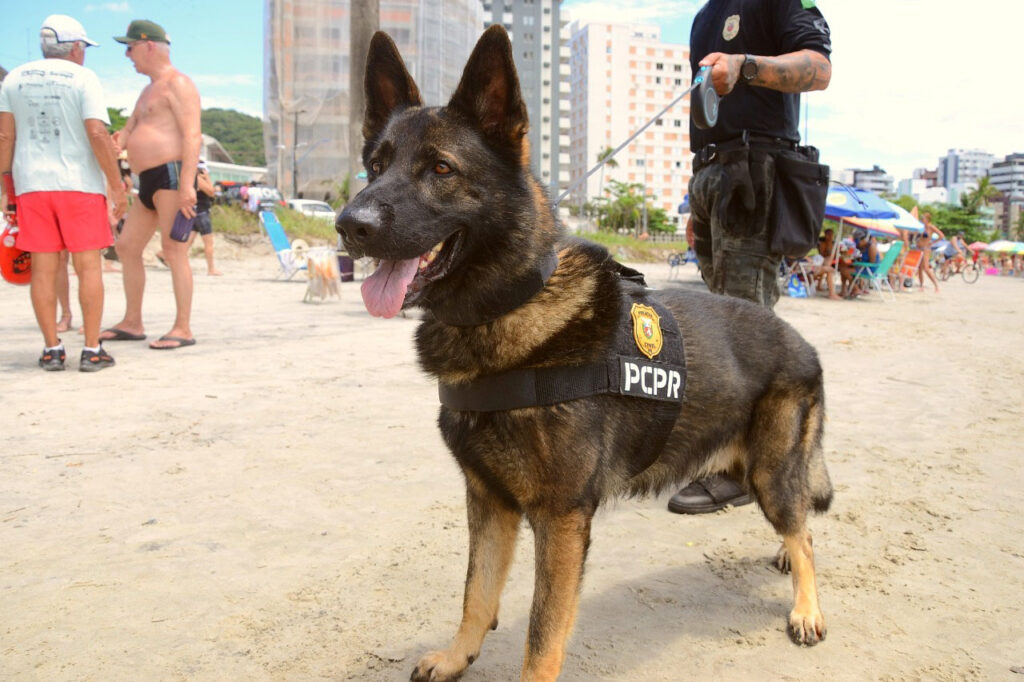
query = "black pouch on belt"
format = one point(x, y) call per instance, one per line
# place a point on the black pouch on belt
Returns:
point(798, 203)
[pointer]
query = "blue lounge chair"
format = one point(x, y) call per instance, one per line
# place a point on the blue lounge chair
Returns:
point(291, 255)
point(877, 274)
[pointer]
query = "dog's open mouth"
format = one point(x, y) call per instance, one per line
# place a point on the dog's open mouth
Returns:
point(396, 282)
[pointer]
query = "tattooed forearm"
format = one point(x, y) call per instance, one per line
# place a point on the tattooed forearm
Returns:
point(795, 72)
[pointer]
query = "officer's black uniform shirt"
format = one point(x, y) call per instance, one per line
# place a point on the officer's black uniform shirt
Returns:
point(757, 27)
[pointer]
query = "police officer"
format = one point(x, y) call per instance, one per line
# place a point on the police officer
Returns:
point(762, 54)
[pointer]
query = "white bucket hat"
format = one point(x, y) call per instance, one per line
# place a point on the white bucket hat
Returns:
point(67, 29)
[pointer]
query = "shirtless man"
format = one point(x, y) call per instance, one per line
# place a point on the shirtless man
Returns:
point(163, 139)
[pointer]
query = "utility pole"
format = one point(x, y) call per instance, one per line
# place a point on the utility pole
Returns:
point(644, 197)
point(364, 21)
point(295, 146)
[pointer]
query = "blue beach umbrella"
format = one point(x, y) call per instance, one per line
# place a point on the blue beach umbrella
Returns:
point(853, 202)
point(905, 221)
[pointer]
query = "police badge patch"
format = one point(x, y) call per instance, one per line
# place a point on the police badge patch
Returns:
point(646, 329)
point(732, 27)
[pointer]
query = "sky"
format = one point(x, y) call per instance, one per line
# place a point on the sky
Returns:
point(911, 79)
point(218, 44)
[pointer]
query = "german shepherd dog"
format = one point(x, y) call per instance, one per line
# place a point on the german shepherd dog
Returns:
point(462, 229)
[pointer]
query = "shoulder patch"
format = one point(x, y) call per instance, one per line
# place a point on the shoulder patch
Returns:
point(808, 4)
point(646, 329)
point(732, 27)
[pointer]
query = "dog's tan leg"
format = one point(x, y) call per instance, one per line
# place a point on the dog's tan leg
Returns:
point(493, 528)
point(806, 622)
point(561, 548)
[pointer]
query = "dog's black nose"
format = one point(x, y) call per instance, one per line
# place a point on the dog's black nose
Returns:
point(358, 224)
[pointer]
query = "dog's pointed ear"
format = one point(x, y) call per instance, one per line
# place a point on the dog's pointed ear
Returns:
point(388, 85)
point(489, 95)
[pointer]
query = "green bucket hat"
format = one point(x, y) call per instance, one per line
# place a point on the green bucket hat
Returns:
point(142, 29)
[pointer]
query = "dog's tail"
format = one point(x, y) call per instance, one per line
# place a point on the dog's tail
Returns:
point(819, 483)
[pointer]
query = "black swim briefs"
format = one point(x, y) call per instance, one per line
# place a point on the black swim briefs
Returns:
point(161, 177)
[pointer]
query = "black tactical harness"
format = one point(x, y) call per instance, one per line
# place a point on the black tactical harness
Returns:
point(625, 371)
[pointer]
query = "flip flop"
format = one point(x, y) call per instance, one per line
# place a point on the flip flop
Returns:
point(121, 335)
point(177, 339)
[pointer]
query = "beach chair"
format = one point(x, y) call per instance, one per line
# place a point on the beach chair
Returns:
point(909, 267)
point(877, 274)
point(291, 256)
point(801, 269)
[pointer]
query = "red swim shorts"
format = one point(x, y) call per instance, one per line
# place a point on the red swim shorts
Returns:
point(53, 221)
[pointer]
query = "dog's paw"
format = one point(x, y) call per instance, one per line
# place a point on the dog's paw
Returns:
point(440, 666)
point(806, 629)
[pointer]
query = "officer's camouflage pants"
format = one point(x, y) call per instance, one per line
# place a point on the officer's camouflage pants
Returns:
point(731, 202)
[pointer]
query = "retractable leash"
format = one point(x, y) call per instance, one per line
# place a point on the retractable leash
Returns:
point(15, 264)
point(703, 109)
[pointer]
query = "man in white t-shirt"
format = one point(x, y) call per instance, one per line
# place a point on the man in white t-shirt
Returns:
point(53, 137)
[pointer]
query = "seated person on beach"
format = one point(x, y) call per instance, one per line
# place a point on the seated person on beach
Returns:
point(823, 272)
point(826, 243)
point(867, 245)
point(848, 254)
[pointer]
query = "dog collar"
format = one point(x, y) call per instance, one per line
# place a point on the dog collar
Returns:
point(516, 293)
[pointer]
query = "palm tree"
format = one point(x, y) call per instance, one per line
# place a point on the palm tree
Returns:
point(606, 156)
point(980, 196)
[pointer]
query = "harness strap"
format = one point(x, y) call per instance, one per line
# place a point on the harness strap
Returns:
point(622, 373)
point(530, 387)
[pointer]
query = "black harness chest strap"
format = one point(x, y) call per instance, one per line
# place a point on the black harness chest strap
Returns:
point(624, 372)
point(531, 387)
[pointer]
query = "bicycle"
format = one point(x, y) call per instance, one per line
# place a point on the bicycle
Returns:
point(677, 260)
point(969, 270)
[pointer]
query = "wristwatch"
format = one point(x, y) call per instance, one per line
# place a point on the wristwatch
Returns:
point(748, 71)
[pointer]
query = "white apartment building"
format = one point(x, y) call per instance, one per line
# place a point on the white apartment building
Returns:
point(873, 180)
point(540, 48)
point(1008, 176)
point(306, 78)
point(622, 76)
point(961, 166)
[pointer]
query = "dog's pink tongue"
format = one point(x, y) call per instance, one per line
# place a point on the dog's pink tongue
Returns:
point(384, 290)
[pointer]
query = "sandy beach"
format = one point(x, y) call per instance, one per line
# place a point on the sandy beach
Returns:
point(275, 503)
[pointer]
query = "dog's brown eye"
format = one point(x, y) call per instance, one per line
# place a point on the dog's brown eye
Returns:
point(375, 167)
point(442, 168)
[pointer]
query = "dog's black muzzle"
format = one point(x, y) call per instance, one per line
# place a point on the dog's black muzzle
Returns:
point(361, 224)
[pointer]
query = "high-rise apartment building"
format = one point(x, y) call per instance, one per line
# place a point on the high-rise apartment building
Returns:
point(873, 180)
point(622, 76)
point(1008, 177)
point(959, 167)
point(540, 49)
point(306, 78)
